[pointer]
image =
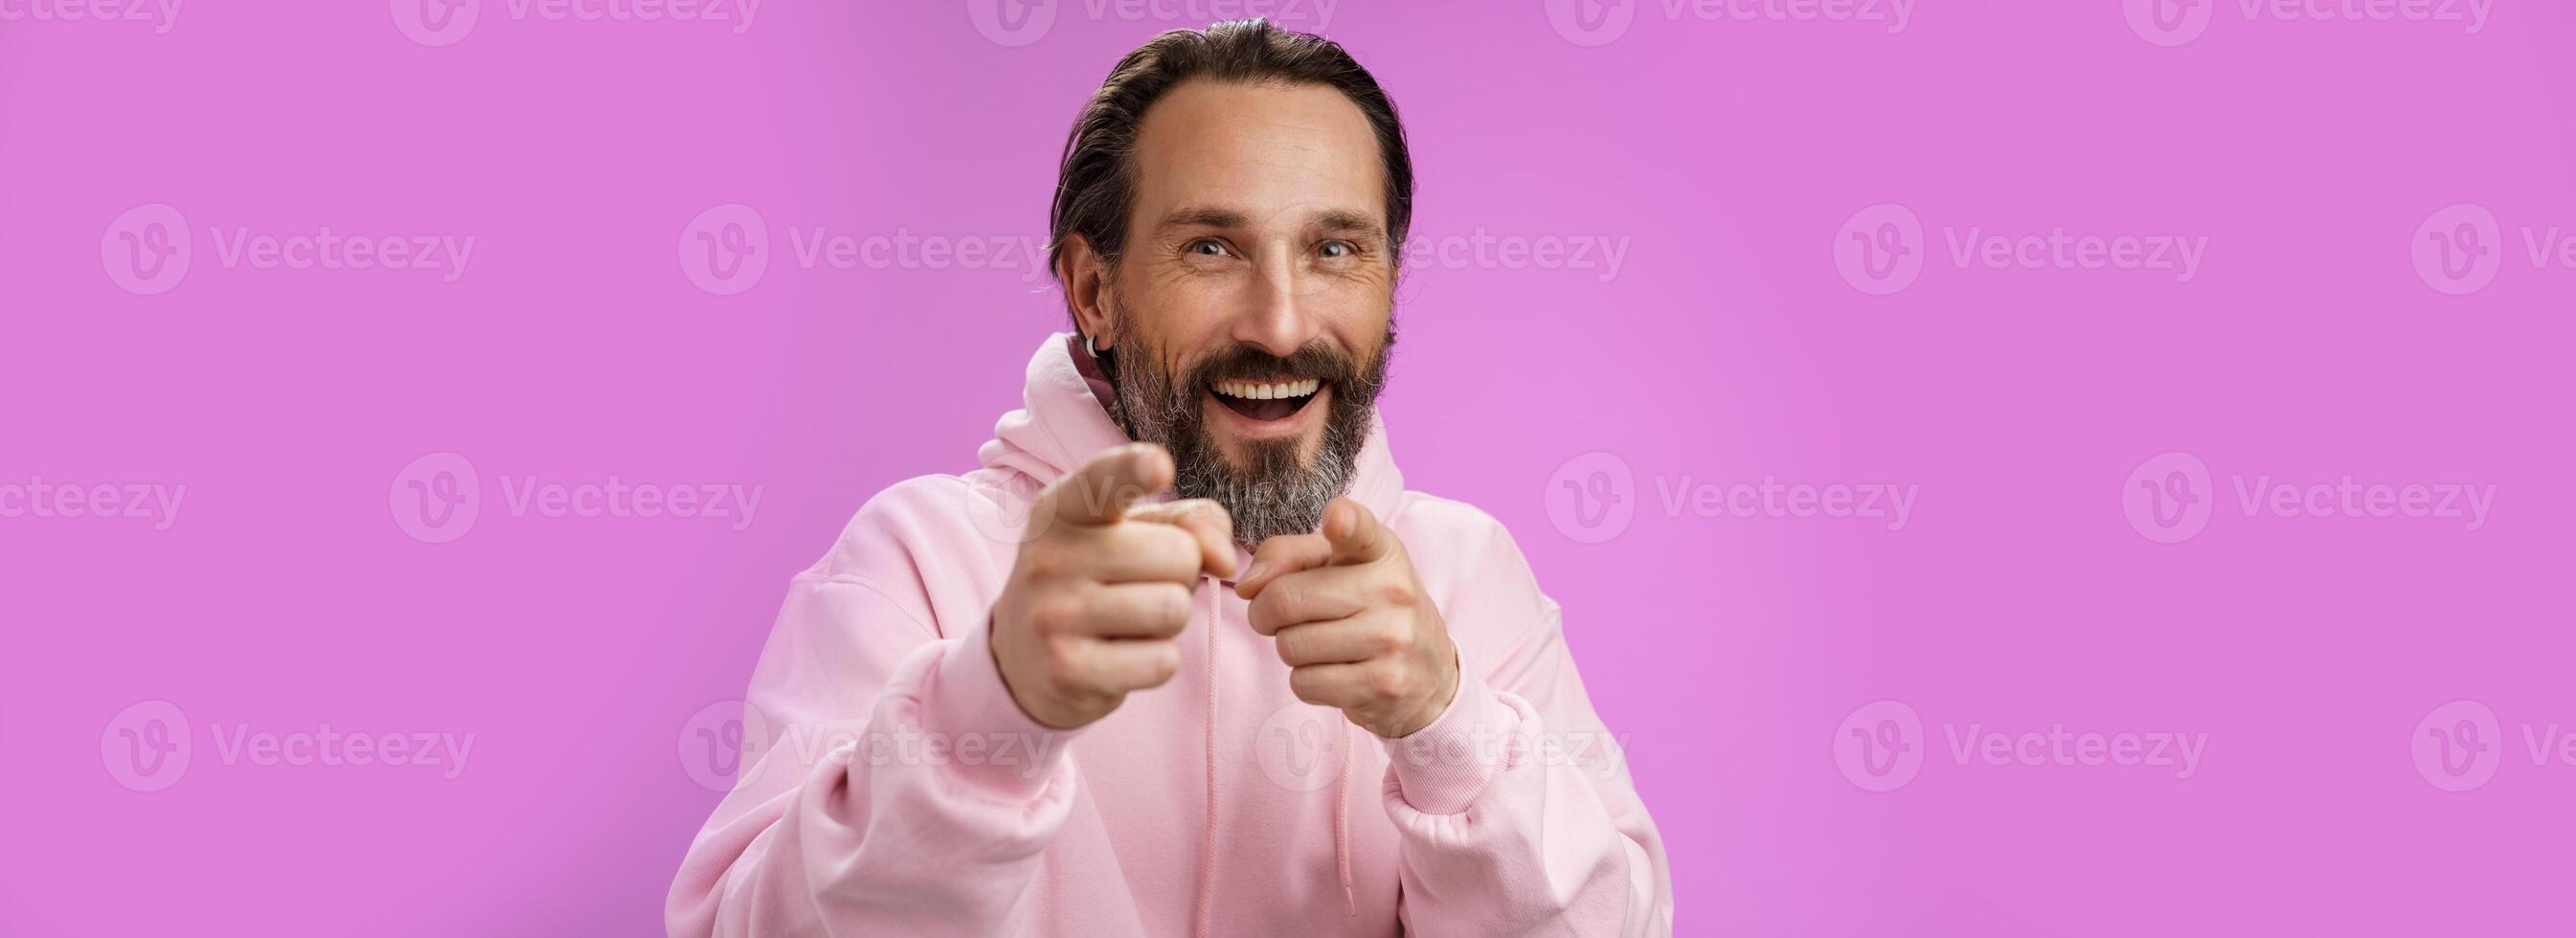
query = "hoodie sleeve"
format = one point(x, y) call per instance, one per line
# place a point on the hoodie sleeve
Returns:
point(1515, 805)
point(901, 790)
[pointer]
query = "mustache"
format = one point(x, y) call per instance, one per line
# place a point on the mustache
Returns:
point(1319, 360)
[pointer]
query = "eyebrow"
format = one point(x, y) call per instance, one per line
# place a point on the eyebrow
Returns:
point(1352, 224)
point(1338, 222)
point(1199, 217)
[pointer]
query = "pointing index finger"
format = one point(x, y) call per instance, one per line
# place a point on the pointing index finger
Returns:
point(1355, 534)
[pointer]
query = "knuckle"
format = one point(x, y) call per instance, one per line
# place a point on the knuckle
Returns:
point(1041, 562)
point(1165, 663)
point(1215, 516)
point(1170, 601)
point(1063, 663)
point(1396, 592)
point(1171, 606)
point(1292, 600)
point(1395, 641)
point(1387, 683)
point(1177, 548)
point(1054, 616)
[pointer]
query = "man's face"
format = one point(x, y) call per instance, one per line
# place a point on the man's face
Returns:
point(1251, 306)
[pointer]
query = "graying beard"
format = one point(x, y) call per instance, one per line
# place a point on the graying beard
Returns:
point(1279, 496)
point(1275, 495)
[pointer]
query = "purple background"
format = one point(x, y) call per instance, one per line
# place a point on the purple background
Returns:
point(1727, 153)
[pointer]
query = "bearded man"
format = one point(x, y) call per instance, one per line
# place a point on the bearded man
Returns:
point(1183, 655)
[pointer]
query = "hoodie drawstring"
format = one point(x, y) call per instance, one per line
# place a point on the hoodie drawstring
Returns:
point(1207, 839)
point(1207, 836)
point(1342, 821)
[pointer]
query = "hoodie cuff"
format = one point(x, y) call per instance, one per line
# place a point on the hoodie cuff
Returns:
point(986, 742)
point(1442, 767)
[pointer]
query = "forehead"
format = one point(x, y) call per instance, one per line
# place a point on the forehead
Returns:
point(1268, 149)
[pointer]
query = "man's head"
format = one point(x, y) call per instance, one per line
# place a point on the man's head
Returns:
point(1227, 219)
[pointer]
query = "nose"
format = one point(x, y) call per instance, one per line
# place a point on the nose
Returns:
point(1276, 317)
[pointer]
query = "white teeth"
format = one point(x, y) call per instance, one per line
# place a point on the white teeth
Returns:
point(1252, 391)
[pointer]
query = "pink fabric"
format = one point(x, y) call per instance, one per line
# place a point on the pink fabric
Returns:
point(1508, 814)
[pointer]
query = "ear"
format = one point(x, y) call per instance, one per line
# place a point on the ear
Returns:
point(1086, 288)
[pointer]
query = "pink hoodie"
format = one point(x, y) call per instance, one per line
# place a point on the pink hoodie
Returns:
point(891, 786)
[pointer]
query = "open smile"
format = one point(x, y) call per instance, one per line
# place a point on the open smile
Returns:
point(1268, 407)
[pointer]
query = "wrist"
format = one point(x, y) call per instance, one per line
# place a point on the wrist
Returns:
point(1443, 766)
point(1444, 691)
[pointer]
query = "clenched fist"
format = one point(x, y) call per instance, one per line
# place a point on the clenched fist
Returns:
point(1095, 599)
point(1352, 622)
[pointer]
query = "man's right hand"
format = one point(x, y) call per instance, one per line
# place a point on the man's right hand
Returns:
point(1097, 597)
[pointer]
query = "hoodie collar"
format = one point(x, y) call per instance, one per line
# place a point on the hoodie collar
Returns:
point(1064, 420)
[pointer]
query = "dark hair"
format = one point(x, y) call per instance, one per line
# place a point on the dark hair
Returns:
point(1096, 182)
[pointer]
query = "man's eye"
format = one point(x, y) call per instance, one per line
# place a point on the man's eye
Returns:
point(1337, 249)
point(1206, 247)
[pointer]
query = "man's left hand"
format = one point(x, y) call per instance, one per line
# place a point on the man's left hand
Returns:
point(1352, 622)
